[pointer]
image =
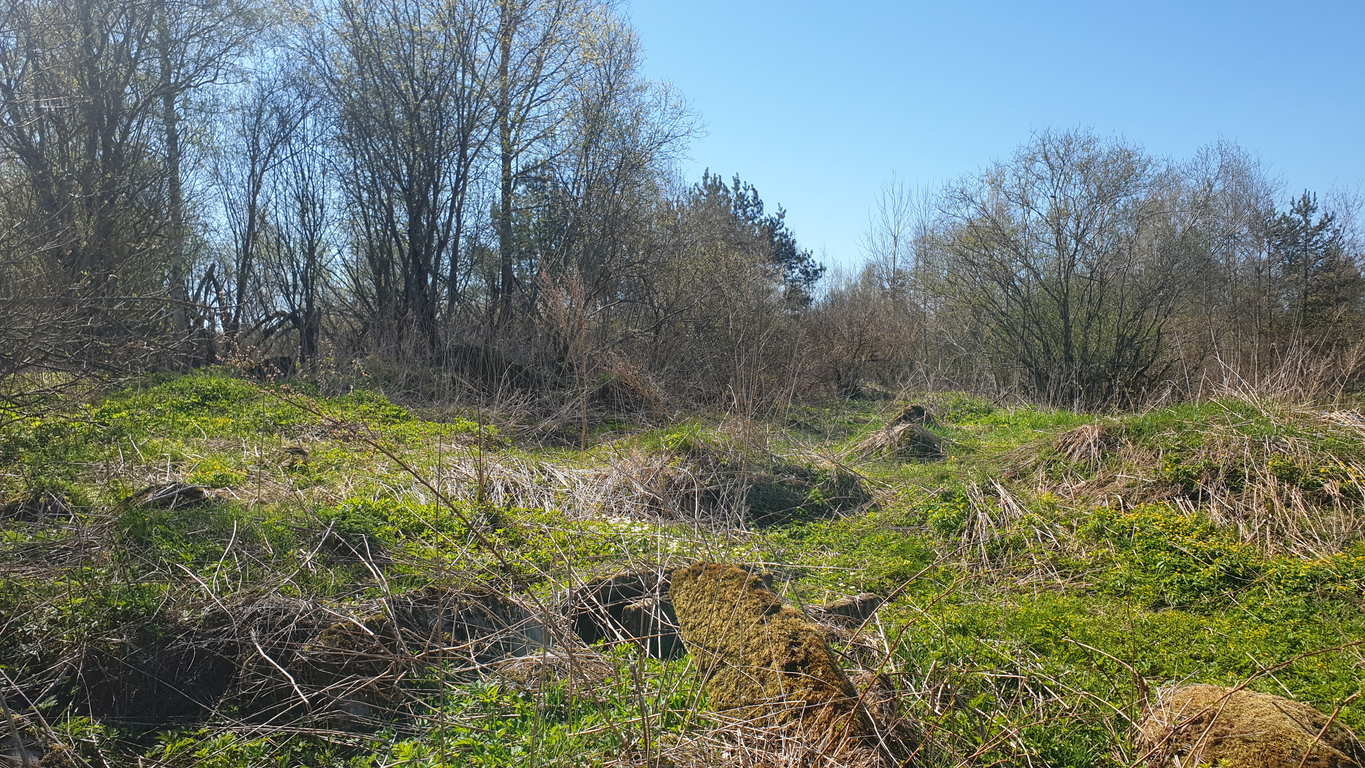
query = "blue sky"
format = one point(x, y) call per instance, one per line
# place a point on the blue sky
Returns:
point(819, 102)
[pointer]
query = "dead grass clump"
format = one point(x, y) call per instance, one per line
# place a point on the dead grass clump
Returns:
point(267, 658)
point(627, 389)
point(915, 413)
point(38, 506)
point(709, 483)
point(1088, 445)
point(634, 483)
point(902, 441)
point(670, 485)
point(358, 664)
point(171, 496)
point(738, 744)
point(583, 670)
point(1283, 492)
point(1350, 419)
point(847, 612)
point(157, 670)
point(1237, 728)
point(1075, 462)
point(783, 491)
point(1285, 480)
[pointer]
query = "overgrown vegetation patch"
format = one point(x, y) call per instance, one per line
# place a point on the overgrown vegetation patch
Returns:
point(169, 549)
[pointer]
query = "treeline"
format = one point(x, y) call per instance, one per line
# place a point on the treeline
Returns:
point(483, 190)
point(1083, 271)
point(479, 185)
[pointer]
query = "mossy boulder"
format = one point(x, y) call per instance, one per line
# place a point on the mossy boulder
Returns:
point(765, 662)
point(1213, 725)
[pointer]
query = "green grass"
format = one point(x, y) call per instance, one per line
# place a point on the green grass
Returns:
point(1031, 610)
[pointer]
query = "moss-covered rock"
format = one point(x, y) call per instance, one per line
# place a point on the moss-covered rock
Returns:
point(1213, 725)
point(765, 662)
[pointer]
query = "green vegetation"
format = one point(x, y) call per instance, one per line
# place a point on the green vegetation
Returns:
point(1042, 579)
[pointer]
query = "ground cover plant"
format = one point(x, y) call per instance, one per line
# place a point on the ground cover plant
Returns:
point(204, 570)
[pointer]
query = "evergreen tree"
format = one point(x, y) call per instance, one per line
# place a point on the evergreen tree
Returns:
point(1319, 281)
point(794, 265)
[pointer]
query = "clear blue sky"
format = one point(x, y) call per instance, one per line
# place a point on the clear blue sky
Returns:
point(820, 102)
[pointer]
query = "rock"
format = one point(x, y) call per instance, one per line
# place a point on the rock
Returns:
point(766, 663)
point(626, 607)
point(652, 623)
point(1213, 725)
point(848, 611)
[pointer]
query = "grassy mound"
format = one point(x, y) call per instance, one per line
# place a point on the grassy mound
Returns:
point(1288, 479)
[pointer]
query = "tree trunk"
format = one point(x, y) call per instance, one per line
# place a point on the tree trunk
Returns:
point(180, 303)
point(506, 276)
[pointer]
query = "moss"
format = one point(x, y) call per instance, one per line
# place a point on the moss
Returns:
point(215, 473)
point(759, 657)
point(1199, 724)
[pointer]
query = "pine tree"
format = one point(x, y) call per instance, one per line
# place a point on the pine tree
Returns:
point(1319, 281)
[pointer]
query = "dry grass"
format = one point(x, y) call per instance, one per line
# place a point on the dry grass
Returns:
point(635, 484)
point(1087, 445)
point(904, 441)
point(1277, 488)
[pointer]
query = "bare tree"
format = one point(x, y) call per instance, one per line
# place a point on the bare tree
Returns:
point(260, 139)
point(1073, 253)
point(537, 61)
point(299, 248)
point(406, 80)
